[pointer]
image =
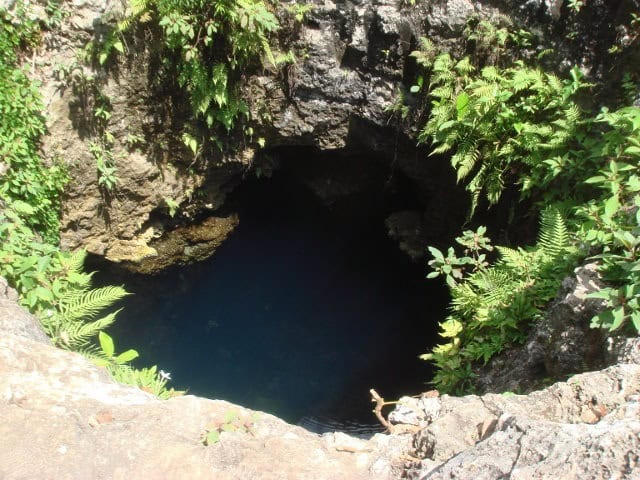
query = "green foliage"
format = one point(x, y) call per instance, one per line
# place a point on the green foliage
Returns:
point(27, 178)
point(31, 266)
point(453, 267)
point(491, 305)
point(72, 324)
point(611, 220)
point(105, 165)
point(107, 349)
point(299, 11)
point(576, 5)
point(498, 123)
point(148, 379)
point(210, 44)
point(172, 205)
point(232, 422)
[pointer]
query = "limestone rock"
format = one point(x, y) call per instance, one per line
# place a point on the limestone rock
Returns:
point(14, 319)
point(587, 427)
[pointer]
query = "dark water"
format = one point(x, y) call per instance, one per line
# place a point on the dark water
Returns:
point(299, 312)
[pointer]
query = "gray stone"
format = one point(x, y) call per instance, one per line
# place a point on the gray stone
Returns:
point(587, 427)
point(14, 319)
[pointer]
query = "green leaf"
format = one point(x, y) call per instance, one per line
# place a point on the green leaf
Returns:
point(618, 318)
point(635, 319)
point(106, 344)
point(437, 254)
point(127, 356)
point(213, 436)
point(611, 206)
point(462, 103)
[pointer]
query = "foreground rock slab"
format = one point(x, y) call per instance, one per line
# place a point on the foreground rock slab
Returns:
point(63, 418)
point(585, 428)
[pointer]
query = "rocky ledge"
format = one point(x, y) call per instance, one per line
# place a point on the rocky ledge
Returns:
point(65, 418)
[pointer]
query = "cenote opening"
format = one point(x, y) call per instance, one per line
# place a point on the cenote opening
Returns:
point(301, 311)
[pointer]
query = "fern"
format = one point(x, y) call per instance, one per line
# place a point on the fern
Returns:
point(554, 239)
point(73, 324)
point(513, 117)
point(492, 305)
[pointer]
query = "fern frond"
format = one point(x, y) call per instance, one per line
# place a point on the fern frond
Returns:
point(572, 113)
point(443, 92)
point(88, 304)
point(495, 286)
point(490, 73)
point(554, 238)
point(464, 67)
point(516, 259)
point(464, 299)
point(79, 334)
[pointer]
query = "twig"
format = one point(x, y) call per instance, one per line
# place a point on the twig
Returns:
point(379, 401)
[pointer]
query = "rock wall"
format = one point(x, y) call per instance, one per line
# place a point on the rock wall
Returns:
point(352, 60)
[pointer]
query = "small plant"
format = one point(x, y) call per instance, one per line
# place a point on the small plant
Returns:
point(453, 267)
point(576, 5)
point(105, 165)
point(108, 357)
point(72, 323)
point(134, 140)
point(232, 422)
point(147, 379)
point(172, 205)
point(299, 11)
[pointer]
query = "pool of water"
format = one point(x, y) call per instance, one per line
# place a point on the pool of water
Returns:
point(299, 313)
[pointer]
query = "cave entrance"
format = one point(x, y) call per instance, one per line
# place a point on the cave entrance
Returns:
point(305, 307)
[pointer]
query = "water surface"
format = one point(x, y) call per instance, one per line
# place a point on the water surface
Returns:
point(299, 313)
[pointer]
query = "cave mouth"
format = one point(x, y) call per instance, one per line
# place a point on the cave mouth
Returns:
point(303, 309)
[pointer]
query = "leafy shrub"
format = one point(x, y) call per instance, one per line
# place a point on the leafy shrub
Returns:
point(27, 179)
point(497, 122)
point(492, 304)
point(610, 222)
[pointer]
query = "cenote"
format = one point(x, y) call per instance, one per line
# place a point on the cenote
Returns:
point(301, 311)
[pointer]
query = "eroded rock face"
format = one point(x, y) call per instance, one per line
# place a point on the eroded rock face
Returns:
point(352, 60)
point(587, 427)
